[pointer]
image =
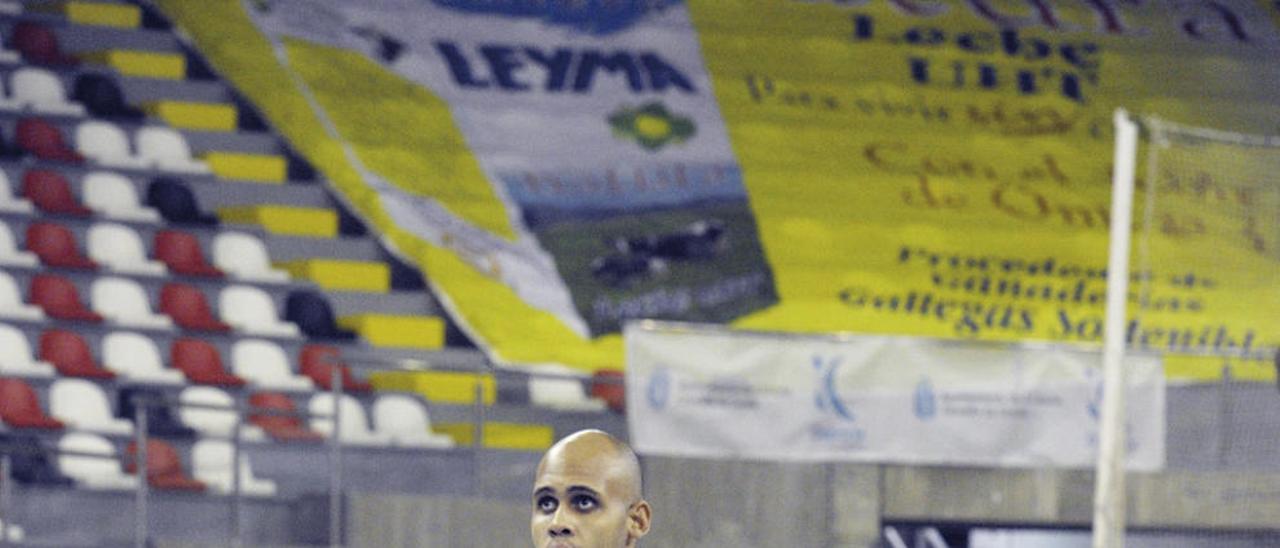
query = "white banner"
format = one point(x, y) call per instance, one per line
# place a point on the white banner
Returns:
point(708, 392)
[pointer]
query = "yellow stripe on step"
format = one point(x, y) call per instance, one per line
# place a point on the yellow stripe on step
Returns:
point(191, 115)
point(342, 275)
point(438, 386)
point(260, 168)
point(146, 64)
point(386, 330)
point(501, 435)
point(125, 16)
point(279, 219)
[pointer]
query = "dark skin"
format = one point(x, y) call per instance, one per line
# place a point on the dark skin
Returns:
point(587, 495)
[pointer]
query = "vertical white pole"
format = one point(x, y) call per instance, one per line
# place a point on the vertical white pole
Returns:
point(1109, 491)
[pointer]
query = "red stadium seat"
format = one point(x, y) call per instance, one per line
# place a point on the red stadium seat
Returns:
point(607, 385)
point(318, 361)
point(164, 467)
point(51, 192)
point(70, 355)
point(201, 363)
point(44, 141)
point(283, 424)
point(20, 408)
point(189, 309)
point(57, 246)
point(181, 252)
point(59, 299)
point(38, 44)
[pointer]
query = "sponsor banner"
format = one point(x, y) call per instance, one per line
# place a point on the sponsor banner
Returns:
point(708, 392)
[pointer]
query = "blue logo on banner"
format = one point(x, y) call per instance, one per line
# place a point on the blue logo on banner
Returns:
point(659, 390)
point(591, 16)
point(925, 401)
point(826, 397)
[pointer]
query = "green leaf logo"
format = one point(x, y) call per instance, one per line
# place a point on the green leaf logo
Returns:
point(651, 126)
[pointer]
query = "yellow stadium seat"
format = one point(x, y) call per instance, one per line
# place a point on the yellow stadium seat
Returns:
point(386, 330)
point(261, 168)
point(289, 220)
point(342, 275)
point(146, 64)
point(125, 16)
point(454, 387)
point(501, 435)
point(191, 115)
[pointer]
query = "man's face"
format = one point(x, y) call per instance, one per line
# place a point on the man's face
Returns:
point(579, 502)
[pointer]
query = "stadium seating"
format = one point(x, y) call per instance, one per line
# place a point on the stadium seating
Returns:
point(166, 149)
point(10, 255)
point(277, 416)
point(59, 299)
point(245, 257)
point(39, 45)
point(20, 407)
point(106, 144)
point(30, 461)
point(212, 412)
point(113, 196)
point(50, 192)
point(405, 421)
point(10, 203)
point(12, 533)
point(42, 91)
point(181, 252)
point(353, 425)
point(119, 249)
point(164, 467)
point(161, 419)
point(317, 363)
point(176, 203)
point(11, 305)
point(265, 366)
point(56, 246)
point(69, 354)
point(310, 311)
point(100, 472)
point(189, 309)
point(103, 98)
point(559, 391)
point(608, 386)
point(81, 405)
point(212, 464)
point(125, 303)
point(16, 359)
point(251, 311)
point(201, 363)
point(136, 358)
point(44, 141)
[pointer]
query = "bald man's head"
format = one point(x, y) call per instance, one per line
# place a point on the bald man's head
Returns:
point(588, 494)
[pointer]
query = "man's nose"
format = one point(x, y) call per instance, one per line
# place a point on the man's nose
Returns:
point(560, 526)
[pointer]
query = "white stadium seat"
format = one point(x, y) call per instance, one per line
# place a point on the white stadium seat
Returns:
point(211, 463)
point(562, 392)
point(245, 257)
point(405, 420)
point(107, 144)
point(124, 302)
point(16, 358)
point(136, 358)
point(10, 255)
point(112, 195)
point(81, 405)
point(10, 203)
point(120, 249)
point(251, 310)
point(11, 304)
point(353, 423)
point(42, 91)
point(265, 365)
point(166, 149)
point(13, 533)
point(102, 472)
point(214, 422)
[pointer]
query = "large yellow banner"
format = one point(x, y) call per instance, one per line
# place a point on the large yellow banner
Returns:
point(914, 167)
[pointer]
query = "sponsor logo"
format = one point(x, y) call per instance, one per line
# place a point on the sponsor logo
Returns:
point(651, 126)
point(925, 402)
point(826, 398)
point(658, 390)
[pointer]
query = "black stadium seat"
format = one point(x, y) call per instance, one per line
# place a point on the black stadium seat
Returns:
point(29, 461)
point(311, 312)
point(102, 98)
point(176, 203)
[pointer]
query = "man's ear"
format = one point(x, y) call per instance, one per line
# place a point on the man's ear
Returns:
point(638, 519)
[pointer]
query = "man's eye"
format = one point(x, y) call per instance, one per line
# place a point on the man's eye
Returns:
point(584, 503)
point(547, 504)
